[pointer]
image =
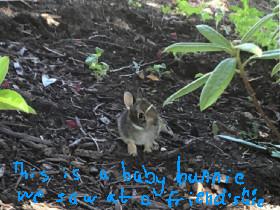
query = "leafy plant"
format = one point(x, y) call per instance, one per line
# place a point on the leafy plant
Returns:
point(99, 69)
point(10, 99)
point(243, 18)
point(186, 8)
point(214, 83)
point(166, 9)
point(202, 10)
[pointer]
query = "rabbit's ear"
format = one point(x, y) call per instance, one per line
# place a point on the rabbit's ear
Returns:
point(128, 99)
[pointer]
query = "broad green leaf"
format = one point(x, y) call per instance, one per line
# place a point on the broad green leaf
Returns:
point(193, 47)
point(11, 100)
point(187, 89)
point(250, 47)
point(256, 27)
point(276, 69)
point(271, 54)
point(213, 36)
point(4, 67)
point(217, 82)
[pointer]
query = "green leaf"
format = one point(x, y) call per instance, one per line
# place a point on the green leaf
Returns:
point(276, 69)
point(270, 54)
point(256, 27)
point(4, 67)
point(276, 9)
point(105, 67)
point(11, 100)
point(217, 82)
point(213, 36)
point(193, 47)
point(91, 59)
point(250, 47)
point(198, 75)
point(99, 51)
point(159, 67)
point(187, 89)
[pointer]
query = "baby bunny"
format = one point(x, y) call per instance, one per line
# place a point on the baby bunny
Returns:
point(140, 124)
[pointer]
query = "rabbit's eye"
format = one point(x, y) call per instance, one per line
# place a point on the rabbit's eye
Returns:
point(140, 116)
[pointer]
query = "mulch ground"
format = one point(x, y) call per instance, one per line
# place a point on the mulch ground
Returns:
point(76, 122)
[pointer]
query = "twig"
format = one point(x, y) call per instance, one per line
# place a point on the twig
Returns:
point(54, 52)
point(86, 205)
point(24, 136)
point(121, 68)
point(18, 182)
point(113, 44)
point(86, 134)
point(252, 94)
point(21, 1)
point(173, 153)
point(130, 66)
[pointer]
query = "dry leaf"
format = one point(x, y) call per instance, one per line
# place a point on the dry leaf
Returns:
point(121, 24)
point(153, 77)
point(141, 75)
point(50, 19)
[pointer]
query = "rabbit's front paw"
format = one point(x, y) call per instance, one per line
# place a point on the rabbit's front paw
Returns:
point(132, 149)
point(155, 146)
point(148, 148)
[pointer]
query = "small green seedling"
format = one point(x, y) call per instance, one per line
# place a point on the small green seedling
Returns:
point(157, 68)
point(157, 71)
point(10, 99)
point(214, 83)
point(99, 69)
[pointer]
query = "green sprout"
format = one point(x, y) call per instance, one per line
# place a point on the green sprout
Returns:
point(99, 69)
point(157, 68)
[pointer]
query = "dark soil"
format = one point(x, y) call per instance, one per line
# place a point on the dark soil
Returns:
point(78, 110)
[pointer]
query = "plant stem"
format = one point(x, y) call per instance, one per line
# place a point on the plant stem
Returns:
point(252, 94)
